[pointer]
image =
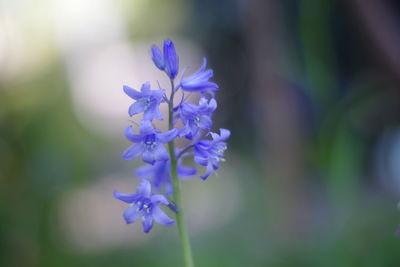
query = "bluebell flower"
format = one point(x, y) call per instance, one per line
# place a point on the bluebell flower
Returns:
point(147, 101)
point(157, 57)
point(199, 81)
point(195, 117)
point(210, 153)
point(171, 60)
point(398, 232)
point(144, 205)
point(148, 143)
point(160, 174)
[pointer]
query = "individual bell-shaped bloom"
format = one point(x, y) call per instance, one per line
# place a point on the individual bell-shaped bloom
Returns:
point(210, 153)
point(145, 205)
point(160, 174)
point(148, 143)
point(147, 101)
point(157, 57)
point(196, 117)
point(171, 60)
point(199, 81)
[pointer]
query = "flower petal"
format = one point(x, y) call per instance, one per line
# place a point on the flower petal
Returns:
point(146, 128)
point(127, 198)
point(157, 57)
point(131, 214)
point(209, 171)
point(170, 59)
point(186, 171)
point(159, 199)
point(132, 92)
point(160, 153)
point(225, 133)
point(133, 151)
point(160, 217)
point(136, 108)
point(167, 136)
point(201, 161)
point(144, 188)
point(147, 223)
point(148, 157)
point(131, 136)
point(145, 89)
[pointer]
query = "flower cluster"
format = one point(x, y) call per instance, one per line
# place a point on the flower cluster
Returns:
point(191, 121)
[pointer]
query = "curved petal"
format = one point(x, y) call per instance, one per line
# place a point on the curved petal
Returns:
point(186, 171)
point(147, 223)
point(131, 136)
point(212, 105)
point(146, 127)
point(144, 188)
point(167, 136)
point(136, 108)
point(148, 157)
point(133, 151)
point(127, 198)
point(157, 57)
point(201, 161)
point(132, 93)
point(225, 133)
point(131, 214)
point(209, 171)
point(160, 217)
point(159, 199)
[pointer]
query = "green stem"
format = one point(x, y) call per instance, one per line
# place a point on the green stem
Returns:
point(180, 218)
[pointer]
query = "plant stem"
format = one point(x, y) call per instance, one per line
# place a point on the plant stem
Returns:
point(180, 219)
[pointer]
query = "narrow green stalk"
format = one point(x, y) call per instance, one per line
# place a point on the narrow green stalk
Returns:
point(180, 218)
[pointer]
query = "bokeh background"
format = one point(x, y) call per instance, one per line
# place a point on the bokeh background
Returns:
point(310, 90)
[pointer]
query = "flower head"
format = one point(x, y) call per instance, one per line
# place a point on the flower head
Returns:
point(160, 174)
point(210, 153)
point(199, 81)
point(144, 205)
point(148, 143)
point(171, 60)
point(147, 101)
point(196, 117)
point(157, 57)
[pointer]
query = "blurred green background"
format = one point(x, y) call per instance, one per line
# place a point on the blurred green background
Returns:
point(310, 90)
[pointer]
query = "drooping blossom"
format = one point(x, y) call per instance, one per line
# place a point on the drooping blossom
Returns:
point(210, 153)
point(196, 117)
point(200, 81)
point(147, 101)
point(144, 205)
point(148, 143)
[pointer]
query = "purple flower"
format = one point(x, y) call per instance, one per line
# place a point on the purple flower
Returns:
point(148, 143)
point(199, 81)
point(171, 60)
point(147, 101)
point(398, 232)
point(157, 57)
point(160, 174)
point(196, 117)
point(144, 205)
point(210, 153)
